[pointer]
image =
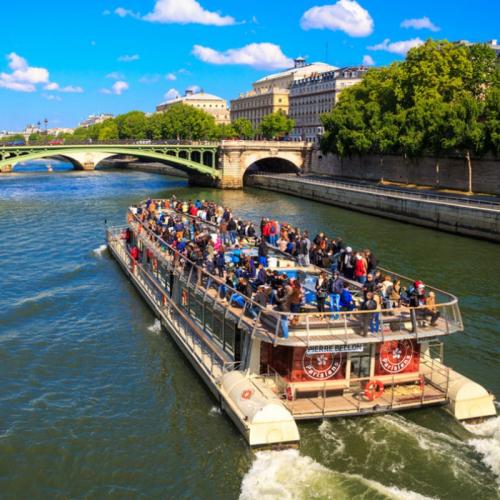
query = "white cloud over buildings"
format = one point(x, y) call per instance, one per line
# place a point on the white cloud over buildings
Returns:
point(400, 48)
point(423, 23)
point(345, 15)
point(368, 60)
point(117, 88)
point(256, 55)
point(129, 58)
point(25, 78)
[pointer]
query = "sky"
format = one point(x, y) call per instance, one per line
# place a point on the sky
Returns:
point(63, 60)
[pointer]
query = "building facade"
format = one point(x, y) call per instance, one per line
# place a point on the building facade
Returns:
point(95, 119)
point(271, 93)
point(317, 94)
point(216, 106)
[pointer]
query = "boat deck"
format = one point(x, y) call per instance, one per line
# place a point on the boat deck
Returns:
point(394, 398)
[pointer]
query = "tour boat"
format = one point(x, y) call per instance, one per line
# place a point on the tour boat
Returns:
point(327, 366)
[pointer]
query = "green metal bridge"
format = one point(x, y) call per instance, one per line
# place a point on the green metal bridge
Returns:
point(222, 164)
point(200, 158)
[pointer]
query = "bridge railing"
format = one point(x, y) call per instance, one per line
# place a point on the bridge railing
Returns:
point(121, 142)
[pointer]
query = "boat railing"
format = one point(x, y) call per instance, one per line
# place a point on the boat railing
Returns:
point(426, 386)
point(160, 296)
point(341, 326)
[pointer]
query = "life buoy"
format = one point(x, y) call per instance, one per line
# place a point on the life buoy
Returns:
point(373, 389)
point(246, 394)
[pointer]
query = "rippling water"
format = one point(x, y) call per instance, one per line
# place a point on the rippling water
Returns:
point(96, 401)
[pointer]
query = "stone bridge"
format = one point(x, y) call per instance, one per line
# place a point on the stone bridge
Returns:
point(222, 164)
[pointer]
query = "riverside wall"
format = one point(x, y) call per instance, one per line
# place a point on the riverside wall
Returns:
point(447, 173)
point(476, 221)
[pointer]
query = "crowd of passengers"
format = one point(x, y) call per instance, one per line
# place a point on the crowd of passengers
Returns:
point(242, 277)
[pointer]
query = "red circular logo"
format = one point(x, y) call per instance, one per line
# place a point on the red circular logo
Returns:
point(322, 365)
point(396, 355)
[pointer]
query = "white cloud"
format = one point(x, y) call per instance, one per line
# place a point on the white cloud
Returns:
point(51, 97)
point(23, 78)
point(69, 89)
point(256, 55)
point(171, 77)
point(194, 89)
point(345, 15)
point(115, 75)
point(184, 71)
point(186, 12)
point(93, 43)
point(129, 58)
point(117, 88)
point(106, 12)
point(171, 94)
point(400, 48)
point(423, 23)
point(121, 12)
point(150, 79)
point(368, 60)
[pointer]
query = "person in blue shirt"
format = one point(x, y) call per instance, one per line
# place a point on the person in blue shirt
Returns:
point(346, 301)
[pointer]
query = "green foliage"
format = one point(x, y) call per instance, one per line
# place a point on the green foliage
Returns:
point(12, 138)
point(243, 128)
point(226, 131)
point(131, 125)
point(108, 131)
point(275, 125)
point(184, 122)
point(443, 97)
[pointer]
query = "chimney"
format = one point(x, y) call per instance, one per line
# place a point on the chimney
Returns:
point(299, 62)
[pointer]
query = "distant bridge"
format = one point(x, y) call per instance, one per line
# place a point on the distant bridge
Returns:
point(222, 164)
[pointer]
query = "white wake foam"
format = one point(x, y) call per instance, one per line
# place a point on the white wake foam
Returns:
point(488, 444)
point(99, 251)
point(155, 327)
point(288, 475)
point(215, 411)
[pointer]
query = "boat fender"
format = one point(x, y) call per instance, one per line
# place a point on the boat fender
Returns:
point(373, 389)
point(246, 394)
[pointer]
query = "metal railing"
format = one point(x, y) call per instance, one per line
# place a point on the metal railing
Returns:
point(395, 192)
point(346, 328)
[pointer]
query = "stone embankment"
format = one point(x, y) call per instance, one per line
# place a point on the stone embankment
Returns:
point(459, 215)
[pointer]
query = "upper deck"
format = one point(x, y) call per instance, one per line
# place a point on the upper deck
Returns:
point(309, 328)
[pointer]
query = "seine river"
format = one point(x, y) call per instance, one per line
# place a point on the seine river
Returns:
point(96, 401)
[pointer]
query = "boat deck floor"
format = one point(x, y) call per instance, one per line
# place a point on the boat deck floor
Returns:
point(393, 399)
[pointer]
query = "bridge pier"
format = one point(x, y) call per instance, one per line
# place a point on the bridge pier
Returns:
point(6, 169)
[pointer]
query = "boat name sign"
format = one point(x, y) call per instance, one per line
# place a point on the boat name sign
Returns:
point(320, 349)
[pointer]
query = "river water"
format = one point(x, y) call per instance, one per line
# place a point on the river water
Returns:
point(96, 401)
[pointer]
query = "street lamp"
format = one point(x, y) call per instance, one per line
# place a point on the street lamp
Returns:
point(46, 122)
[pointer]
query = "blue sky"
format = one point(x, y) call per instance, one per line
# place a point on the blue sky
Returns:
point(66, 59)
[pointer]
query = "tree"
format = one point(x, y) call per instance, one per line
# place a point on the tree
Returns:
point(443, 98)
point(108, 131)
point(243, 128)
point(275, 125)
point(226, 131)
point(463, 130)
point(183, 122)
point(132, 125)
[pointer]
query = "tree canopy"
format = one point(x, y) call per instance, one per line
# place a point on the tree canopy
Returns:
point(275, 125)
point(443, 98)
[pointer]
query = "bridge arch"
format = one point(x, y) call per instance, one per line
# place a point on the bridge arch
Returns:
point(87, 156)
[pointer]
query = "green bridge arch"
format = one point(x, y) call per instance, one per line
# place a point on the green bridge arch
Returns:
point(189, 158)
